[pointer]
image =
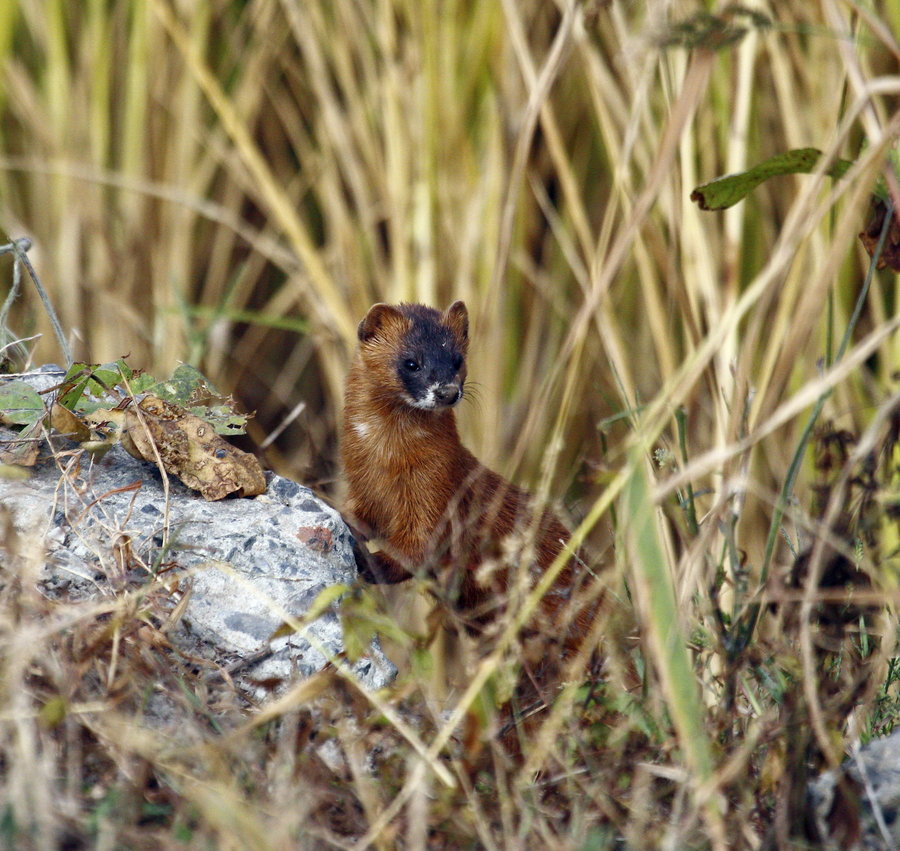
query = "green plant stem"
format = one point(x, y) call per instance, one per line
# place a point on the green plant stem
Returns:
point(690, 508)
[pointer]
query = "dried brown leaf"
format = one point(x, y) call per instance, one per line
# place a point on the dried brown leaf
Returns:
point(890, 254)
point(191, 450)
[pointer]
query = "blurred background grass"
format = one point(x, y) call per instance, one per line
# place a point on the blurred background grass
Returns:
point(234, 183)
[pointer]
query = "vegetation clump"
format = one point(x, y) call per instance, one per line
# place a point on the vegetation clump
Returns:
point(712, 393)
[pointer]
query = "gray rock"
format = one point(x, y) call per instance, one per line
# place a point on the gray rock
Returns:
point(45, 379)
point(246, 563)
point(856, 807)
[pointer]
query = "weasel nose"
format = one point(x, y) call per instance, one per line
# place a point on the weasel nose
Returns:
point(447, 394)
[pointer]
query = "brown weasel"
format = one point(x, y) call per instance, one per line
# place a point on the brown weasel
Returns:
point(438, 511)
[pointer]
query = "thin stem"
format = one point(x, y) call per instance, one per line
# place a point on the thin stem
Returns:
point(18, 248)
point(681, 419)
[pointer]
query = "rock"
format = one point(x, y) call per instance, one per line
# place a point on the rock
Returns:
point(856, 807)
point(247, 562)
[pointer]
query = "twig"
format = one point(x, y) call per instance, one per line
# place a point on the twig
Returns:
point(18, 248)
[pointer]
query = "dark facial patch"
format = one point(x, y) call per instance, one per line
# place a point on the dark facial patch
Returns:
point(430, 357)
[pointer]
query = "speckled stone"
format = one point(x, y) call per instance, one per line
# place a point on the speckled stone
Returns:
point(856, 807)
point(248, 563)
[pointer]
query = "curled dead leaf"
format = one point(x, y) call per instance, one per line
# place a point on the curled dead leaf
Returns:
point(24, 449)
point(190, 449)
point(890, 254)
point(68, 424)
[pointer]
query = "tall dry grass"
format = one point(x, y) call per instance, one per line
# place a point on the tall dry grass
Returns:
point(235, 183)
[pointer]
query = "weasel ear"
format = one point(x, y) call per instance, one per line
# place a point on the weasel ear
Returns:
point(457, 317)
point(378, 315)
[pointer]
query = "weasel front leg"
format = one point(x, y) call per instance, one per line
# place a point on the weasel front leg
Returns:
point(377, 568)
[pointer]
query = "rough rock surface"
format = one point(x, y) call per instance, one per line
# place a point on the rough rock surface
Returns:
point(857, 807)
point(247, 562)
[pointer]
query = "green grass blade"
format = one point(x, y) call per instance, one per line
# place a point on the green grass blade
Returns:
point(663, 620)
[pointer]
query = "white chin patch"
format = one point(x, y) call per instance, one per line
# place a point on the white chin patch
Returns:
point(426, 403)
point(429, 400)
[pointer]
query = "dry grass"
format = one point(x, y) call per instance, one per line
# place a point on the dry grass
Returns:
point(237, 186)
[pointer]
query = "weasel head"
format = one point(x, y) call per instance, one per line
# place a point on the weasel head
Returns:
point(416, 354)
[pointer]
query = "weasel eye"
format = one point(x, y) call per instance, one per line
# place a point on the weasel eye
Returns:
point(411, 365)
point(457, 362)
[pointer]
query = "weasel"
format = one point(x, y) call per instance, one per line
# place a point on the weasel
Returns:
point(436, 508)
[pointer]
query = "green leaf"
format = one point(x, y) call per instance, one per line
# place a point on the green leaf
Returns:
point(89, 386)
point(20, 403)
point(189, 388)
point(141, 383)
point(361, 621)
point(222, 418)
point(53, 712)
point(73, 384)
point(186, 385)
point(726, 191)
point(107, 376)
point(706, 31)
